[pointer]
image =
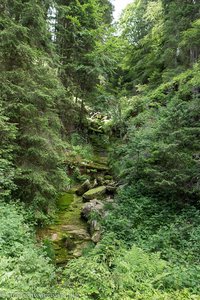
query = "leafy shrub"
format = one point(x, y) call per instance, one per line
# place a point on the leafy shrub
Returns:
point(24, 270)
point(133, 274)
point(160, 227)
point(81, 146)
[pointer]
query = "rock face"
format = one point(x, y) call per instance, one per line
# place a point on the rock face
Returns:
point(78, 251)
point(92, 206)
point(100, 180)
point(83, 188)
point(93, 165)
point(95, 184)
point(94, 193)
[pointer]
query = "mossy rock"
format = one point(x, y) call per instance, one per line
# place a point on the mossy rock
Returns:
point(94, 166)
point(69, 244)
point(83, 188)
point(94, 193)
point(80, 248)
point(108, 177)
point(99, 130)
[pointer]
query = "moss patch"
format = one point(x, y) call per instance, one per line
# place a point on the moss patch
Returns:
point(65, 200)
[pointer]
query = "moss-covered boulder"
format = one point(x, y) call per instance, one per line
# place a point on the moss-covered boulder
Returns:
point(94, 166)
point(95, 193)
point(83, 188)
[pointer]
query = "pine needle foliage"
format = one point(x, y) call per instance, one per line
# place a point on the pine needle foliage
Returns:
point(31, 97)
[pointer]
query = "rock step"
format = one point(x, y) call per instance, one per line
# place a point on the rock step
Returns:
point(76, 232)
point(96, 166)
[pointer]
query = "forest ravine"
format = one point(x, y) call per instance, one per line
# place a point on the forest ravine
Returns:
point(99, 150)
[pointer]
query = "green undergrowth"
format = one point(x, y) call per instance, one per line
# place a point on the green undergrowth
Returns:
point(24, 267)
point(111, 271)
point(65, 200)
point(161, 226)
point(81, 147)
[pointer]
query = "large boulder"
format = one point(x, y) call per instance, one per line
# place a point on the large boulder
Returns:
point(92, 206)
point(108, 177)
point(83, 188)
point(97, 192)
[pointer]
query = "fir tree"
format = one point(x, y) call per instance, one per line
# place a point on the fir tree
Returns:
point(31, 95)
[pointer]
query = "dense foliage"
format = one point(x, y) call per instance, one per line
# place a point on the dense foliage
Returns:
point(39, 84)
point(112, 272)
point(158, 162)
point(31, 95)
point(24, 270)
point(161, 155)
point(160, 76)
point(61, 60)
point(7, 137)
